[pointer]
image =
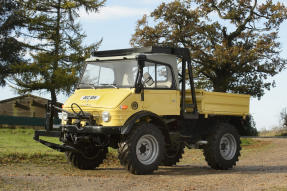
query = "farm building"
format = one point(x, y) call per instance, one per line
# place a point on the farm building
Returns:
point(23, 111)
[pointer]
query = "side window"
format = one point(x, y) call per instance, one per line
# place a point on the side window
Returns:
point(157, 76)
point(161, 71)
point(164, 77)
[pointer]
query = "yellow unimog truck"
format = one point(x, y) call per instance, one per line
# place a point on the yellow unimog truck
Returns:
point(139, 102)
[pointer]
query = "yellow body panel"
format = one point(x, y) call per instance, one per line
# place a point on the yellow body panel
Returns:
point(217, 103)
point(160, 102)
point(106, 98)
point(110, 99)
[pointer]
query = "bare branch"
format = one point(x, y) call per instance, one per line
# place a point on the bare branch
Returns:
point(242, 27)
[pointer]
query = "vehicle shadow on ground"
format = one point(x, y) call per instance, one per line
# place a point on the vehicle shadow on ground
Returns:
point(204, 170)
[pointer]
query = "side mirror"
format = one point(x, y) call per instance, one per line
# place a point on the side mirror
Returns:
point(148, 79)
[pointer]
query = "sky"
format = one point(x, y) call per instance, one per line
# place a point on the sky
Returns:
point(115, 23)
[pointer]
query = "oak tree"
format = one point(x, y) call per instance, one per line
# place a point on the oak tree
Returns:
point(234, 44)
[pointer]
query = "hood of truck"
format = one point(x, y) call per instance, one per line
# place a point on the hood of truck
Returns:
point(98, 98)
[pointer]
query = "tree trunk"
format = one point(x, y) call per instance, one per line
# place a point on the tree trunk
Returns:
point(54, 114)
point(220, 84)
point(219, 88)
point(53, 96)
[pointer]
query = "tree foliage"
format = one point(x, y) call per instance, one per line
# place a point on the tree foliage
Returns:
point(55, 34)
point(11, 49)
point(250, 127)
point(234, 44)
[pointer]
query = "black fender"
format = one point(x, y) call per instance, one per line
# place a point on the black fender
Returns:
point(128, 126)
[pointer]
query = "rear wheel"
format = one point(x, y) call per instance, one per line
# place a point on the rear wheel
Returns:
point(223, 148)
point(173, 155)
point(95, 158)
point(143, 149)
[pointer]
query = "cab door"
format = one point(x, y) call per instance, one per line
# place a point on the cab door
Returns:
point(160, 94)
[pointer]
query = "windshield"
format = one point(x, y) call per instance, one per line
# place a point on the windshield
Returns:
point(116, 73)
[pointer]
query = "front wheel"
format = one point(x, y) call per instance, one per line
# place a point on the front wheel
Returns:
point(143, 149)
point(223, 148)
point(97, 157)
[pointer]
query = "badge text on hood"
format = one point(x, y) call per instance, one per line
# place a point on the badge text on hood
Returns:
point(90, 97)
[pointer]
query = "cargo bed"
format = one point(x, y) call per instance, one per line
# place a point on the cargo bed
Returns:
point(217, 103)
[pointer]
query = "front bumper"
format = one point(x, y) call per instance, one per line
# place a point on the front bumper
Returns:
point(58, 131)
point(92, 129)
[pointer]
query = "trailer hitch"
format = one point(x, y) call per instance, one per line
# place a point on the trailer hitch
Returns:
point(57, 147)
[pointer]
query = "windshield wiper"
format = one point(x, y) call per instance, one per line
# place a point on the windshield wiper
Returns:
point(113, 85)
point(91, 85)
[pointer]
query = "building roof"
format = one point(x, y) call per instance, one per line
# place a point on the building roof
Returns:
point(22, 96)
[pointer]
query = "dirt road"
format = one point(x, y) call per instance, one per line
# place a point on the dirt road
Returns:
point(263, 168)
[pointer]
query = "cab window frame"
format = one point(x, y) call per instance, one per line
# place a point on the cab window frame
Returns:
point(173, 83)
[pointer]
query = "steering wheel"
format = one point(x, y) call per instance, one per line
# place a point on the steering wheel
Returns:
point(79, 113)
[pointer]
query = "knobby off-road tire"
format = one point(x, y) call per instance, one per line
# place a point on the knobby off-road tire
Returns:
point(173, 155)
point(143, 149)
point(223, 148)
point(96, 158)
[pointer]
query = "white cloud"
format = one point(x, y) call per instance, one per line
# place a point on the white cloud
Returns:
point(113, 12)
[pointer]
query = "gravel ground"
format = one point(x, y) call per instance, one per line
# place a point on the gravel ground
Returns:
point(259, 168)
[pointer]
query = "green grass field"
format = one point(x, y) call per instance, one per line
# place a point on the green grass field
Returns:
point(247, 142)
point(17, 145)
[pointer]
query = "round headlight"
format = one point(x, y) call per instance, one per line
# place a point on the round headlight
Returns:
point(106, 116)
point(64, 116)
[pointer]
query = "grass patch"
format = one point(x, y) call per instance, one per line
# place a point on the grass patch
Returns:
point(273, 132)
point(245, 142)
point(254, 145)
point(17, 145)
